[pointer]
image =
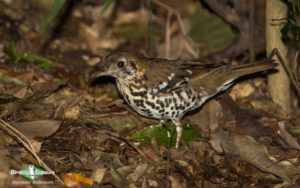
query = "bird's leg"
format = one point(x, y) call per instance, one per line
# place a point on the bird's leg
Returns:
point(178, 130)
point(161, 122)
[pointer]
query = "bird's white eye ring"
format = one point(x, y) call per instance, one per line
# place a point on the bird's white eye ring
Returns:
point(120, 64)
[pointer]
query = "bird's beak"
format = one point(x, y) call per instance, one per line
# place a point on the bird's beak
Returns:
point(101, 72)
point(97, 75)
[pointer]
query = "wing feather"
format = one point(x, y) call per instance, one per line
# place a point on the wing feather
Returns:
point(172, 73)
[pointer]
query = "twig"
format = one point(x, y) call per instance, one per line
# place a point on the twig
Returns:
point(251, 30)
point(129, 144)
point(151, 28)
point(172, 10)
point(187, 43)
point(181, 25)
point(10, 130)
point(287, 69)
point(168, 35)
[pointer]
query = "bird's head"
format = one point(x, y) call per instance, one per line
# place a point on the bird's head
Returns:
point(122, 66)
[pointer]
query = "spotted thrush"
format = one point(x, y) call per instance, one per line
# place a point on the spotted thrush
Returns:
point(168, 89)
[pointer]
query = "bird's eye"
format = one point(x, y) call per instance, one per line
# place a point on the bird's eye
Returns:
point(121, 64)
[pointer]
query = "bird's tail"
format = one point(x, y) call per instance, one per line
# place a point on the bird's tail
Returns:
point(220, 78)
point(249, 68)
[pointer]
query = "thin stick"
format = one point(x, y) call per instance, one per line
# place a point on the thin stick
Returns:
point(181, 25)
point(251, 30)
point(287, 69)
point(10, 130)
point(168, 35)
point(173, 11)
point(151, 28)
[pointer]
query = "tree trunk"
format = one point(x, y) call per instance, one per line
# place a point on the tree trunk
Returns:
point(278, 83)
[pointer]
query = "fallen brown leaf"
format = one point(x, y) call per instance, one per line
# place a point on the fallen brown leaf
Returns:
point(40, 128)
point(247, 149)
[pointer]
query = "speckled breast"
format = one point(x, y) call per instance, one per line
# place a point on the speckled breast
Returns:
point(171, 105)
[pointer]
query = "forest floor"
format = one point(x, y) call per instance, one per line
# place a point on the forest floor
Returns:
point(54, 118)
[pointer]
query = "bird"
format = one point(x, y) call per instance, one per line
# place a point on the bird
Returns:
point(168, 89)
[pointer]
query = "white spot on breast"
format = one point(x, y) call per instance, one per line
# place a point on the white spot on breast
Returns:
point(186, 78)
point(184, 95)
point(189, 71)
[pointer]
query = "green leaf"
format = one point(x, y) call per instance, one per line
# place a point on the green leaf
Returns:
point(161, 135)
point(28, 58)
point(124, 126)
point(210, 33)
point(295, 131)
point(56, 6)
point(105, 7)
point(7, 98)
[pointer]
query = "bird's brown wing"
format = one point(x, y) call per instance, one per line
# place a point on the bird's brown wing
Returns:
point(173, 73)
